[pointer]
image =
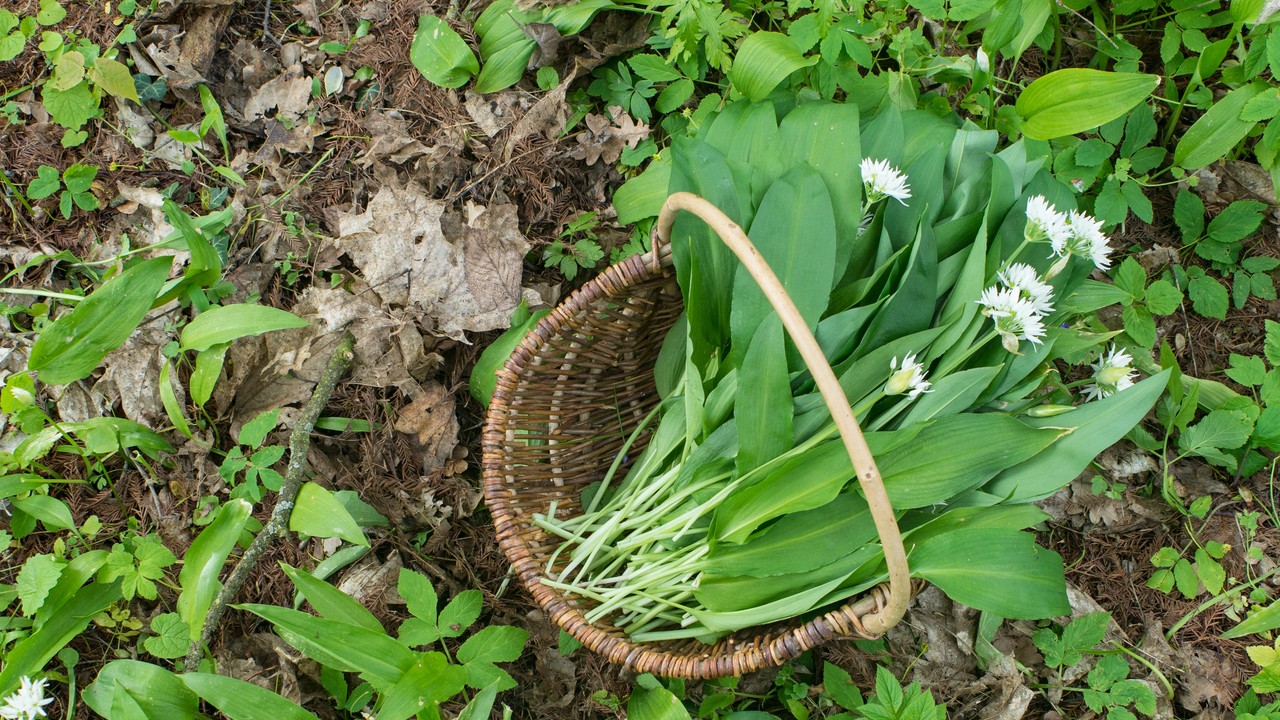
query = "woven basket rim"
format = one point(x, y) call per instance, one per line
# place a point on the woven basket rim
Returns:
point(843, 622)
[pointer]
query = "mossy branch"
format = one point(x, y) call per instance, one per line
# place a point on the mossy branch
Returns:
point(299, 444)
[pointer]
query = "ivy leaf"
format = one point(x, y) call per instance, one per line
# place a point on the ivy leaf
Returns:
point(1137, 200)
point(1111, 206)
point(39, 575)
point(1188, 213)
point(1208, 297)
point(148, 88)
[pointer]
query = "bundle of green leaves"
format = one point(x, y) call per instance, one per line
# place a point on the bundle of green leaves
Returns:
point(939, 275)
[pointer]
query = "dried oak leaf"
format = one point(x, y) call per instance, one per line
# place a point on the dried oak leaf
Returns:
point(463, 272)
point(607, 135)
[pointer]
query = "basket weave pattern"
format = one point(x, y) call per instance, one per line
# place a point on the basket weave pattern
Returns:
point(567, 399)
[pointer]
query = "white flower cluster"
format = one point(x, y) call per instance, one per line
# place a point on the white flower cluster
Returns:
point(1019, 307)
point(1111, 374)
point(909, 379)
point(27, 702)
point(1074, 234)
point(881, 180)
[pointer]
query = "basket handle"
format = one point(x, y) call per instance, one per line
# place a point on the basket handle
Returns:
point(869, 479)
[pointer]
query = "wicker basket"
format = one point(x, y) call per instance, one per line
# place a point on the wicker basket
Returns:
point(566, 400)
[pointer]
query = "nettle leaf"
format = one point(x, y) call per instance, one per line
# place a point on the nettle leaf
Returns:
point(1249, 370)
point(1093, 151)
point(461, 613)
point(1163, 297)
point(1188, 213)
point(1217, 431)
point(1237, 221)
point(1208, 297)
point(1078, 637)
point(39, 575)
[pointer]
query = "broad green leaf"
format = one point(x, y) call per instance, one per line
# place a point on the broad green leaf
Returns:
point(240, 700)
point(157, 692)
point(655, 703)
point(226, 323)
point(952, 394)
point(171, 636)
point(203, 563)
point(1072, 100)
point(114, 77)
point(28, 656)
point(481, 705)
point(419, 595)
point(763, 61)
point(1237, 221)
point(318, 514)
point(46, 183)
point(505, 67)
point(207, 371)
point(494, 644)
point(642, 196)
point(379, 659)
point(68, 71)
point(795, 232)
point(1218, 131)
point(999, 571)
point(70, 348)
point(823, 136)
point(1094, 427)
point(484, 377)
point(763, 414)
point(169, 398)
point(330, 602)
point(428, 681)
point(800, 541)
point(440, 54)
point(52, 512)
point(1261, 621)
point(1220, 430)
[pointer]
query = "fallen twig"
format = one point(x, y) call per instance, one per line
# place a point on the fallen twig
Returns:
point(299, 443)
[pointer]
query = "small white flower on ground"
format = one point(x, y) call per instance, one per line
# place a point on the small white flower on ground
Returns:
point(1084, 239)
point(881, 180)
point(1044, 222)
point(27, 702)
point(982, 60)
point(907, 379)
point(1111, 374)
point(1014, 317)
point(1026, 280)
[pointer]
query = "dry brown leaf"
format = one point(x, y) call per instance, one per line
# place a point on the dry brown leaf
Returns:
point(430, 418)
point(288, 94)
point(495, 111)
point(607, 135)
point(462, 272)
